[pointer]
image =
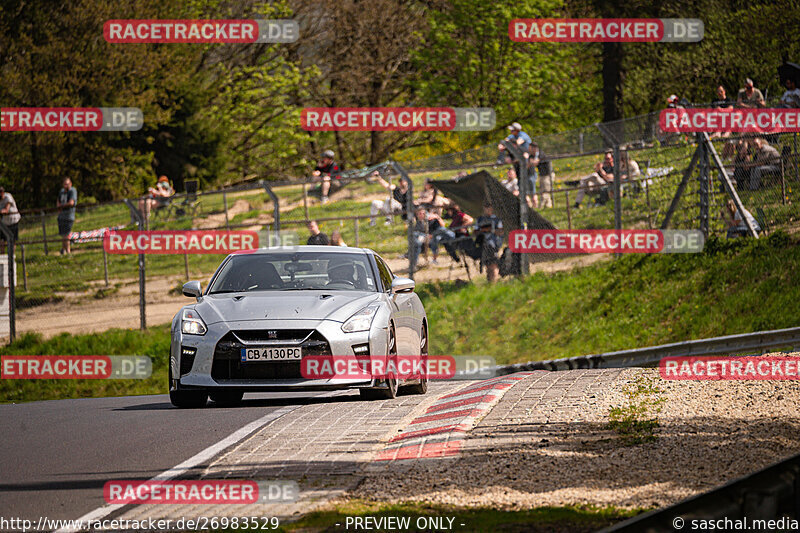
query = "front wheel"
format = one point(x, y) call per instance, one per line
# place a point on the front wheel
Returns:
point(392, 381)
point(422, 386)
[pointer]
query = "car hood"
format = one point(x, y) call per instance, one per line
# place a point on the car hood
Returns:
point(283, 305)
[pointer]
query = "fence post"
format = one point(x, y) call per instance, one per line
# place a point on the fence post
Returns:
point(139, 218)
point(24, 269)
point(305, 199)
point(355, 229)
point(704, 175)
point(617, 190)
point(44, 231)
point(569, 215)
point(105, 265)
point(225, 205)
point(186, 264)
point(276, 209)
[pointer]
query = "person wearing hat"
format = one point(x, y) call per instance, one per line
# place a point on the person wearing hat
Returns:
point(10, 216)
point(517, 136)
point(327, 169)
point(749, 97)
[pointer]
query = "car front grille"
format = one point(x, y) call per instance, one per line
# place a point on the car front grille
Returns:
point(228, 364)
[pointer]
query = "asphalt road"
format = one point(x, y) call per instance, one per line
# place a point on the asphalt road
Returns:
point(55, 456)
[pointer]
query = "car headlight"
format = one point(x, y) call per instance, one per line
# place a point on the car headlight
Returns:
point(362, 320)
point(192, 324)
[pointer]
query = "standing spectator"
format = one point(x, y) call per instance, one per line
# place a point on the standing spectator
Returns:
point(336, 238)
point(327, 169)
point(67, 200)
point(10, 216)
point(401, 195)
point(419, 231)
point(791, 98)
point(603, 175)
point(749, 97)
point(317, 237)
point(722, 101)
point(767, 160)
point(489, 241)
point(736, 222)
point(544, 168)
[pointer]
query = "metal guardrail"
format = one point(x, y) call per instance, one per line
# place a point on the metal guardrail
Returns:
point(651, 355)
point(771, 494)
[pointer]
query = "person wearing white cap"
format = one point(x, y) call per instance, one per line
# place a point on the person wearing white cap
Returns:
point(522, 139)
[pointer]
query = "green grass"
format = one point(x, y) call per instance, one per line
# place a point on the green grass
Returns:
point(153, 343)
point(733, 287)
point(544, 519)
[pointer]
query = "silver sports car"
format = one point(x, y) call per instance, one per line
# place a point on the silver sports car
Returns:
point(264, 311)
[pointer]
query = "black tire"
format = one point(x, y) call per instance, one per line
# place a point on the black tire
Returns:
point(228, 398)
point(392, 383)
point(188, 399)
point(422, 386)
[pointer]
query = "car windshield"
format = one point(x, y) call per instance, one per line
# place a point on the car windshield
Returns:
point(294, 271)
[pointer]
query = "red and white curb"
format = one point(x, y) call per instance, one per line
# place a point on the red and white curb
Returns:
point(441, 430)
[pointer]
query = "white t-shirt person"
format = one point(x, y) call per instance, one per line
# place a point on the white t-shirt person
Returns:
point(13, 216)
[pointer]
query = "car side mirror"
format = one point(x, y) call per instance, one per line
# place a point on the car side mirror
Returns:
point(192, 289)
point(400, 285)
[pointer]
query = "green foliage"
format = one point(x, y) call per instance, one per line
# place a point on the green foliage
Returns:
point(636, 420)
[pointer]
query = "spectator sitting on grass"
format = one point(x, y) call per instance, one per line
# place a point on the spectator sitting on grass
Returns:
point(736, 223)
point(628, 168)
point(317, 237)
point(459, 220)
point(157, 197)
point(603, 175)
point(336, 238)
point(395, 204)
point(489, 241)
point(325, 170)
point(430, 196)
point(791, 98)
point(749, 97)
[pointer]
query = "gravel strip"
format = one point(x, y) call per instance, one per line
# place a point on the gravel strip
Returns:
point(546, 443)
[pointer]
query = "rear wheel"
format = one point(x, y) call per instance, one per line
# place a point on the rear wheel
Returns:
point(422, 386)
point(392, 381)
point(227, 398)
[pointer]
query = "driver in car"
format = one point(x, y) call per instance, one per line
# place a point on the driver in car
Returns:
point(340, 270)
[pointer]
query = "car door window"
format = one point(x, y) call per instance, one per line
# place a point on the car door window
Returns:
point(385, 274)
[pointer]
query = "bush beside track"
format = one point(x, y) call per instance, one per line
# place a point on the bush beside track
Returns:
point(634, 301)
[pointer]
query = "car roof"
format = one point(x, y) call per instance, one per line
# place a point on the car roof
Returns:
point(309, 249)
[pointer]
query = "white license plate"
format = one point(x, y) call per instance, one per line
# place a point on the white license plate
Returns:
point(276, 353)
